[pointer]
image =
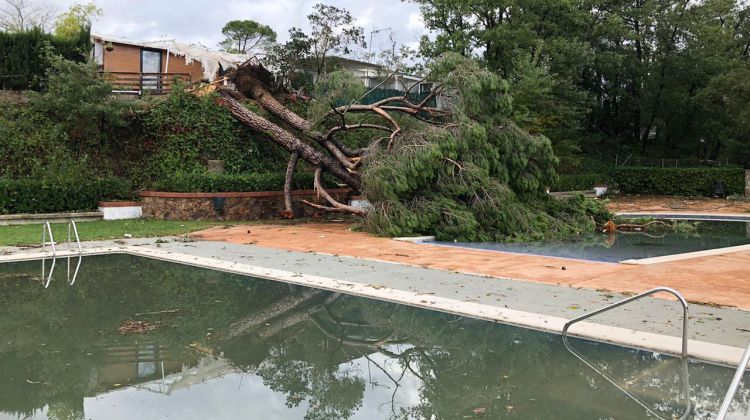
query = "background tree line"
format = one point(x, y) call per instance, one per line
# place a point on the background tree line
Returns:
point(657, 78)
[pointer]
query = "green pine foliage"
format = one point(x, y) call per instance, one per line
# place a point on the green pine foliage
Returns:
point(480, 178)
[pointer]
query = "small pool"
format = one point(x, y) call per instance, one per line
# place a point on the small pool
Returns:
point(225, 346)
point(622, 246)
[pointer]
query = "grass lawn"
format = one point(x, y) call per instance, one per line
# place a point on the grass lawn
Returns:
point(111, 229)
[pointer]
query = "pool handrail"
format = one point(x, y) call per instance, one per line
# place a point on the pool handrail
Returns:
point(683, 356)
point(47, 229)
point(735, 384)
point(72, 224)
point(72, 234)
point(685, 382)
point(677, 294)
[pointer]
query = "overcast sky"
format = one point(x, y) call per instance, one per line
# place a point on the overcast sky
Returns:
point(195, 21)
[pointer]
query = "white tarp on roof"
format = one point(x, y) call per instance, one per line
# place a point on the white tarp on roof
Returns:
point(209, 59)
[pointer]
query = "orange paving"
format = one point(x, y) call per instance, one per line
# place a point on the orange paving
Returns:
point(721, 280)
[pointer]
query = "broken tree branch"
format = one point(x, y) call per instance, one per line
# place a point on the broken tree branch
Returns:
point(291, 167)
point(335, 205)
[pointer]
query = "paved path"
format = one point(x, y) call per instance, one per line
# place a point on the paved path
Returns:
point(716, 280)
point(726, 326)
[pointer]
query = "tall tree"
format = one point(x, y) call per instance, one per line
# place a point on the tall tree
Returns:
point(76, 19)
point(538, 46)
point(243, 36)
point(333, 32)
point(595, 75)
point(23, 15)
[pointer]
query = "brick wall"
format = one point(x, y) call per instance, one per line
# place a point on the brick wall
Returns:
point(237, 206)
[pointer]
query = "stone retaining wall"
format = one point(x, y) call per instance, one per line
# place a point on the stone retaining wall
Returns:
point(236, 205)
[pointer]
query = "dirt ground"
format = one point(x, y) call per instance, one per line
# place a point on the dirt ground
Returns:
point(681, 204)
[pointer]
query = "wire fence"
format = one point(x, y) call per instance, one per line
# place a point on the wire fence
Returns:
point(631, 161)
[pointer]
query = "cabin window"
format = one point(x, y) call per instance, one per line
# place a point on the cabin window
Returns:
point(150, 69)
point(98, 54)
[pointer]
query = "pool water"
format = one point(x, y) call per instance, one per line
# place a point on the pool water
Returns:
point(620, 246)
point(225, 346)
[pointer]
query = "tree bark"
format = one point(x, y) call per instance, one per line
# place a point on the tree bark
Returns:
point(290, 169)
point(288, 141)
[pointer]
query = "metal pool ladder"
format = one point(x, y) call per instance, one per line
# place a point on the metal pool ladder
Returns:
point(684, 352)
point(72, 234)
point(734, 385)
point(47, 230)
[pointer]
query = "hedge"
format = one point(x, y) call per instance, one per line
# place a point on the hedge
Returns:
point(49, 196)
point(584, 182)
point(23, 64)
point(659, 181)
point(208, 182)
point(679, 181)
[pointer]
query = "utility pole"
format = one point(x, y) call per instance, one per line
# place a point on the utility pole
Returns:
point(369, 53)
point(372, 32)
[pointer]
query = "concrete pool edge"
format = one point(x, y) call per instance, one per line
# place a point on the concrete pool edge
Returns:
point(729, 217)
point(686, 215)
point(701, 350)
point(688, 255)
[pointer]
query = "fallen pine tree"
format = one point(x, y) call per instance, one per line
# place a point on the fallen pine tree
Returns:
point(461, 171)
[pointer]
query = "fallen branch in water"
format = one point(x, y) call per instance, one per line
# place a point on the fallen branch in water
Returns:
point(167, 311)
point(610, 226)
point(130, 326)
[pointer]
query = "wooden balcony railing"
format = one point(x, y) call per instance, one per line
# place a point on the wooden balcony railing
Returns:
point(144, 83)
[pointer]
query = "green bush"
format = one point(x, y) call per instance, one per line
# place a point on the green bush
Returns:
point(679, 181)
point(584, 182)
point(47, 196)
point(184, 130)
point(207, 182)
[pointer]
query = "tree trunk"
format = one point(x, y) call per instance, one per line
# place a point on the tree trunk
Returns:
point(282, 306)
point(288, 141)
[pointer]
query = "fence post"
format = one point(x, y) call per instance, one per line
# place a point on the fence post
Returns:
point(747, 184)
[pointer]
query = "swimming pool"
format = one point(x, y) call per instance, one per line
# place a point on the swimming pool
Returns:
point(222, 345)
point(620, 246)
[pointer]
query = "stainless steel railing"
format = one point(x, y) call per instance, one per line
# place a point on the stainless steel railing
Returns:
point(677, 294)
point(684, 352)
point(72, 234)
point(47, 230)
point(735, 384)
point(72, 226)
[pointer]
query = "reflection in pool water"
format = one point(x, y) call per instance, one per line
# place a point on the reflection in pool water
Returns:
point(228, 346)
point(621, 246)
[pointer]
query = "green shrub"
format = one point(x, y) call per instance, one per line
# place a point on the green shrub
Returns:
point(47, 196)
point(583, 182)
point(184, 130)
point(207, 182)
point(679, 181)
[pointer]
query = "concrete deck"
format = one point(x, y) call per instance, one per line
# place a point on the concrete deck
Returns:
point(649, 323)
point(722, 279)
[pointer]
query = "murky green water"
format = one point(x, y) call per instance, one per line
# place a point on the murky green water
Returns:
point(230, 347)
point(621, 246)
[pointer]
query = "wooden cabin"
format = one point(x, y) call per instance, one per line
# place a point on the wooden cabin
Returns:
point(153, 67)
